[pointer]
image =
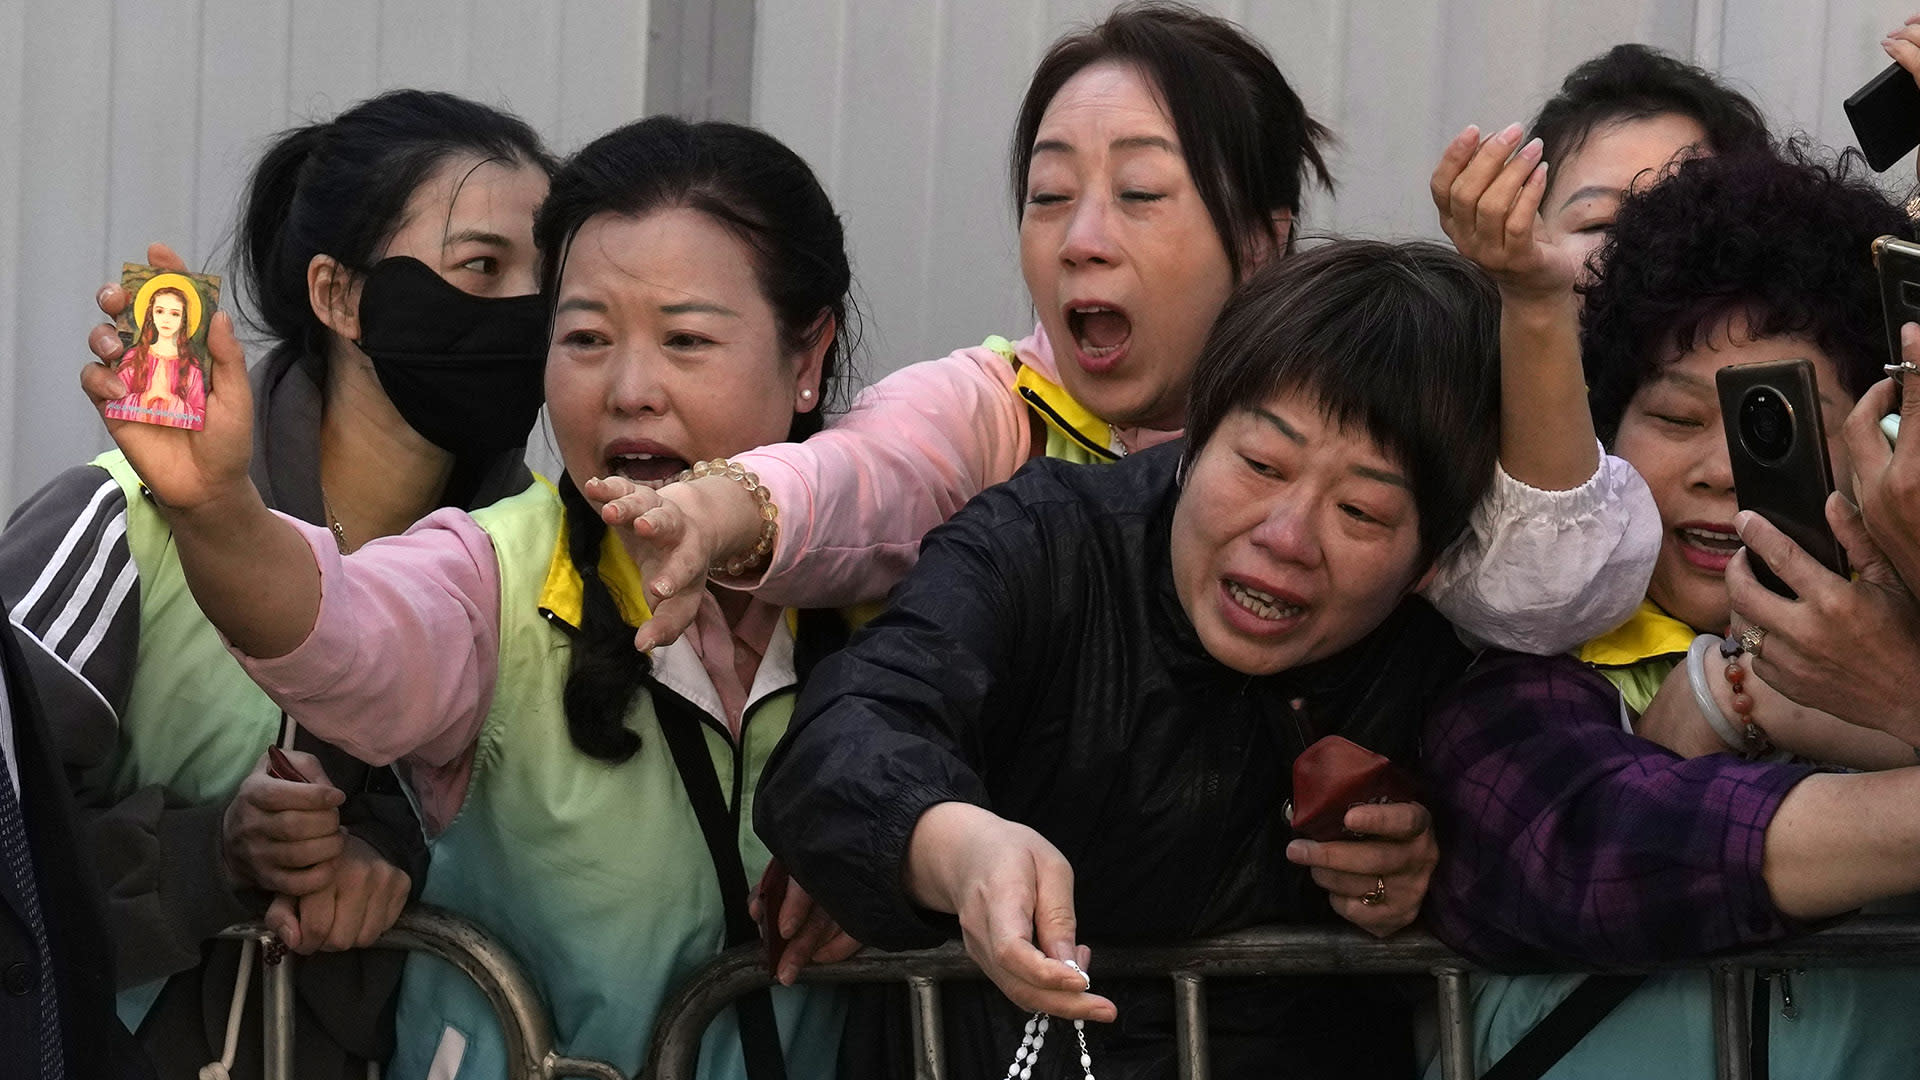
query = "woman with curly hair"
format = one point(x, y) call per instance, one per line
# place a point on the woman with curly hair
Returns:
point(1589, 807)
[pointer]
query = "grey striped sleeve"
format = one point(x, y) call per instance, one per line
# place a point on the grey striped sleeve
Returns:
point(69, 576)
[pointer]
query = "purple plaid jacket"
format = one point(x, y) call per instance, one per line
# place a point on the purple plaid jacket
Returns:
point(1563, 837)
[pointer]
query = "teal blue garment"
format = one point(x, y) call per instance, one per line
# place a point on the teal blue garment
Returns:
point(1857, 1024)
point(595, 875)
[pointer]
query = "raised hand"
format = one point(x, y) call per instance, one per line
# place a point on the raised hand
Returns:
point(185, 470)
point(1488, 194)
point(1377, 884)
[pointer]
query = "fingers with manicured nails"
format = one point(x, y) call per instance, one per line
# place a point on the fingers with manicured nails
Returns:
point(1493, 211)
point(1389, 821)
point(1452, 160)
point(1472, 182)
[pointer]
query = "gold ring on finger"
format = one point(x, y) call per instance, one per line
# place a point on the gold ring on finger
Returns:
point(1377, 894)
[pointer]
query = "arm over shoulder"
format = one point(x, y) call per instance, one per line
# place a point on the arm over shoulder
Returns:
point(856, 499)
point(1565, 837)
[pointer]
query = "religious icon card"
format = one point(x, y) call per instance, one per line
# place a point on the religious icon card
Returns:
point(166, 366)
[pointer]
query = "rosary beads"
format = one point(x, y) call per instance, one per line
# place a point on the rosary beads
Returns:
point(1036, 1037)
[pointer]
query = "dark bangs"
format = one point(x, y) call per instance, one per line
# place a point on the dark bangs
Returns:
point(1401, 341)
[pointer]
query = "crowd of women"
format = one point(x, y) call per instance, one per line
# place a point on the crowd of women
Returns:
point(1021, 645)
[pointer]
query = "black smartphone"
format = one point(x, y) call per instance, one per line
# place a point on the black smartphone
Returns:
point(1885, 115)
point(1778, 448)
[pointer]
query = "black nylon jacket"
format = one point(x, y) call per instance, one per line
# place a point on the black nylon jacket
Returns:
point(1037, 662)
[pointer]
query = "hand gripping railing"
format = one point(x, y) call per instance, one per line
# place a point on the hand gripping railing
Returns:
point(516, 1004)
point(1861, 942)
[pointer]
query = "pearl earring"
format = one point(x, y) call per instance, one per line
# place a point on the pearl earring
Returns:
point(806, 395)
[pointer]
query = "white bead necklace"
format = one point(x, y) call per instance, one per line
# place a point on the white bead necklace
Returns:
point(1035, 1037)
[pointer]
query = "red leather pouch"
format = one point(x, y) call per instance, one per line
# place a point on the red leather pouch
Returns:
point(1335, 775)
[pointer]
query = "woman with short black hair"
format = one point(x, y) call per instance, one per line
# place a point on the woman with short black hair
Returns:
point(1077, 717)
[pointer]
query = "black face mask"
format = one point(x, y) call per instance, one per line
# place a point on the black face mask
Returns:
point(464, 371)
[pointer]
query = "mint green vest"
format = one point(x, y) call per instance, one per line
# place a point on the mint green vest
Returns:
point(595, 875)
point(194, 723)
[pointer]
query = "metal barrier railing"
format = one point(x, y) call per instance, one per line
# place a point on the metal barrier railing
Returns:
point(1866, 941)
point(516, 1004)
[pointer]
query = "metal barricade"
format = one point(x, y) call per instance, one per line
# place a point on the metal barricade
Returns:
point(1862, 942)
point(516, 1004)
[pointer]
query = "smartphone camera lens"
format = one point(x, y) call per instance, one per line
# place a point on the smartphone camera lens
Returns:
point(1766, 424)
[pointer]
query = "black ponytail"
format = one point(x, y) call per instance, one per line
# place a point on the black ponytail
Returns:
point(339, 188)
point(604, 670)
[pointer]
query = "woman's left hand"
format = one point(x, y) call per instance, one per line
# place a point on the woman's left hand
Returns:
point(811, 935)
point(1392, 866)
point(1846, 647)
point(1488, 192)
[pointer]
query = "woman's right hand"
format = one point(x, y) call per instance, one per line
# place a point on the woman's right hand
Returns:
point(1011, 889)
point(283, 836)
point(673, 534)
point(187, 471)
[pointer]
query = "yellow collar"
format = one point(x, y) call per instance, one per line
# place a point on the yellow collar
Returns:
point(562, 598)
point(1649, 633)
point(1056, 406)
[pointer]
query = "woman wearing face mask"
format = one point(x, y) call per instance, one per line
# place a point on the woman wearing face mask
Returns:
point(401, 229)
point(588, 804)
point(1077, 717)
point(1159, 158)
point(1570, 837)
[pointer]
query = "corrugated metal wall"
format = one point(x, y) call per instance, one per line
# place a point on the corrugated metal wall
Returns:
point(905, 108)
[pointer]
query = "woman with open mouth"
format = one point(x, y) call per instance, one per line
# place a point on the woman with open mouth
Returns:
point(1076, 720)
point(1571, 839)
point(1158, 160)
point(586, 804)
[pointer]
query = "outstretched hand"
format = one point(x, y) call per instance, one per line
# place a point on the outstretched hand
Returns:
point(1488, 194)
point(185, 470)
point(1013, 892)
point(673, 534)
